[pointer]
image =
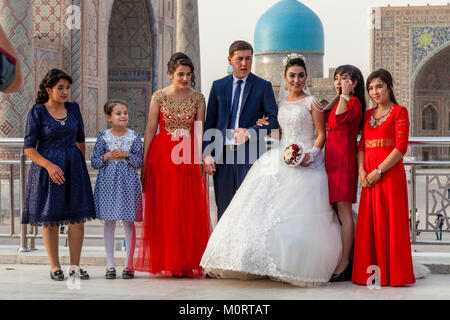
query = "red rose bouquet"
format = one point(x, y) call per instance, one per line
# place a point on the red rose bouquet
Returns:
point(293, 155)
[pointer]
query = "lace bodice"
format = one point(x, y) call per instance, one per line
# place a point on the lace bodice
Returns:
point(296, 122)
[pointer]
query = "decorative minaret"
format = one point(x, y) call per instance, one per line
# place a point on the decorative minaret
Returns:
point(188, 34)
point(16, 19)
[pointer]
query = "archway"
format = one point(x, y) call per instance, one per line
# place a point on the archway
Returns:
point(431, 92)
point(131, 58)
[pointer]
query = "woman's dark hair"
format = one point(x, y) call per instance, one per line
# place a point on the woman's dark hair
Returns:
point(50, 80)
point(359, 92)
point(386, 77)
point(295, 62)
point(181, 59)
point(109, 106)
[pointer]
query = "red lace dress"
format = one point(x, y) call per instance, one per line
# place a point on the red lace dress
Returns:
point(382, 230)
point(341, 151)
point(176, 225)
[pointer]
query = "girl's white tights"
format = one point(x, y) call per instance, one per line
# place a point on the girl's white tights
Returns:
point(130, 239)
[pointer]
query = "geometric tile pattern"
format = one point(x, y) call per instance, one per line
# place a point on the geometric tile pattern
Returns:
point(90, 113)
point(17, 21)
point(47, 19)
point(407, 37)
point(188, 34)
point(144, 36)
point(425, 40)
point(66, 39)
point(130, 58)
point(129, 41)
point(137, 100)
point(76, 63)
point(92, 37)
point(47, 55)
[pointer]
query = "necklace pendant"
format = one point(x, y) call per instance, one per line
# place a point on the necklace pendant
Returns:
point(63, 123)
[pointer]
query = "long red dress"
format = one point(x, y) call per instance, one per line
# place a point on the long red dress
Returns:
point(382, 230)
point(176, 224)
point(341, 151)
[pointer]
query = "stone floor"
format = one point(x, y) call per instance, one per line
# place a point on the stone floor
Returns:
point(25, 281)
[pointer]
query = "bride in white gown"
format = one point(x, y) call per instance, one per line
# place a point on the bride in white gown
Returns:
point(280, 224)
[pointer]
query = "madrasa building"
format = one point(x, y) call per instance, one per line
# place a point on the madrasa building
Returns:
point(113, 49)
point(412, 42)
point(291, 27)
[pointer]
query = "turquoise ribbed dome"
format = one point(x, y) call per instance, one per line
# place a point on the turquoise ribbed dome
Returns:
point(289, 25)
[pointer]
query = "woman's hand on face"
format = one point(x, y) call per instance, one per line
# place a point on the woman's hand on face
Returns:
point(373, 178)
point(347, 87)
point(262, 122)
point(55, 173)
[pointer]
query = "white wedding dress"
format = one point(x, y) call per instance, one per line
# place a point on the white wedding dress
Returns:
point(280, 223)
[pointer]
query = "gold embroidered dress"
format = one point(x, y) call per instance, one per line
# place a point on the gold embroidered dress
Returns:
point(176, 224)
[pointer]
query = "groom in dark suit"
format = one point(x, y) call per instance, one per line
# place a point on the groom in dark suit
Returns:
point(232, 141)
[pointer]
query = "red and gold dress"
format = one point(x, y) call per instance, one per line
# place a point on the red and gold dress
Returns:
point(382, 230)
point(176, 225)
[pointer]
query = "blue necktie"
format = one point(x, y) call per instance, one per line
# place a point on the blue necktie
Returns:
point(234, 110)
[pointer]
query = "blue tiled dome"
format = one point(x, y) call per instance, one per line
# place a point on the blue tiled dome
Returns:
point(289, 25)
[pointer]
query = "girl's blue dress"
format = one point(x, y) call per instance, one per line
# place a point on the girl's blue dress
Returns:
point(47, 203)
point(117, 191)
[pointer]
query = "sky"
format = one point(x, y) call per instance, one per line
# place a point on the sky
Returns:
point(345, 23)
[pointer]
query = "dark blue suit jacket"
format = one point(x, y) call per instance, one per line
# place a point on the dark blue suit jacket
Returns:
point(258, 100)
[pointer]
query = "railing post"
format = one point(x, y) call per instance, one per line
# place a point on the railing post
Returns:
point(11, 201)
point(23, 230)
point(33, 240)
point(413, 199)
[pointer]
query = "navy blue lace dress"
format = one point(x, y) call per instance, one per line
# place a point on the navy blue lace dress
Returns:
point(47, 203)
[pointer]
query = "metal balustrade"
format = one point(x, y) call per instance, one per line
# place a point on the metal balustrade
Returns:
point(440, 192)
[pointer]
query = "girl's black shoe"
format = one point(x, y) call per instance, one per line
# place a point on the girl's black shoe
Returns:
point(58, 275)
point(110, 273)
point(127, 274)
point(345, 275)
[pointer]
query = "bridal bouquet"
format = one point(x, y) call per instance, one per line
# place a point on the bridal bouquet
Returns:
point(293, 155)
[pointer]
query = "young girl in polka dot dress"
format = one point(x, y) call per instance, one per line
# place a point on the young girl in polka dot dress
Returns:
point(117, 194)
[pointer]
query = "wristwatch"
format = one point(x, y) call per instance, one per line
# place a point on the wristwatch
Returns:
point(347, 98)
point(379, 171)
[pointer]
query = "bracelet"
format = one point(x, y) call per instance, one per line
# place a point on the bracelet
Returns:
point(379, 171)
point(346, 98)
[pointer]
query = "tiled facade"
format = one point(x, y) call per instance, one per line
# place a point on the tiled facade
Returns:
point(413, 43)
point(120, 50)
point(188, 34)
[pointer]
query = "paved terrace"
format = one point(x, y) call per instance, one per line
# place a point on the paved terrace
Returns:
point(26, 276)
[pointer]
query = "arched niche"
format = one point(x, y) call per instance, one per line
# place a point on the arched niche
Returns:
point(131, 56)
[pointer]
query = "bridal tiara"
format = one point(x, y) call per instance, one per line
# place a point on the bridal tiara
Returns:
point(291, 56)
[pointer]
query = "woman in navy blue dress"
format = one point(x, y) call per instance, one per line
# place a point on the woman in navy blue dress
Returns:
point(59, 190)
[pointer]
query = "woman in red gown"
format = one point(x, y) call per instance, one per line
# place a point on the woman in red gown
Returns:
point(382, 231)
point(344, 124)
point(176, 224)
